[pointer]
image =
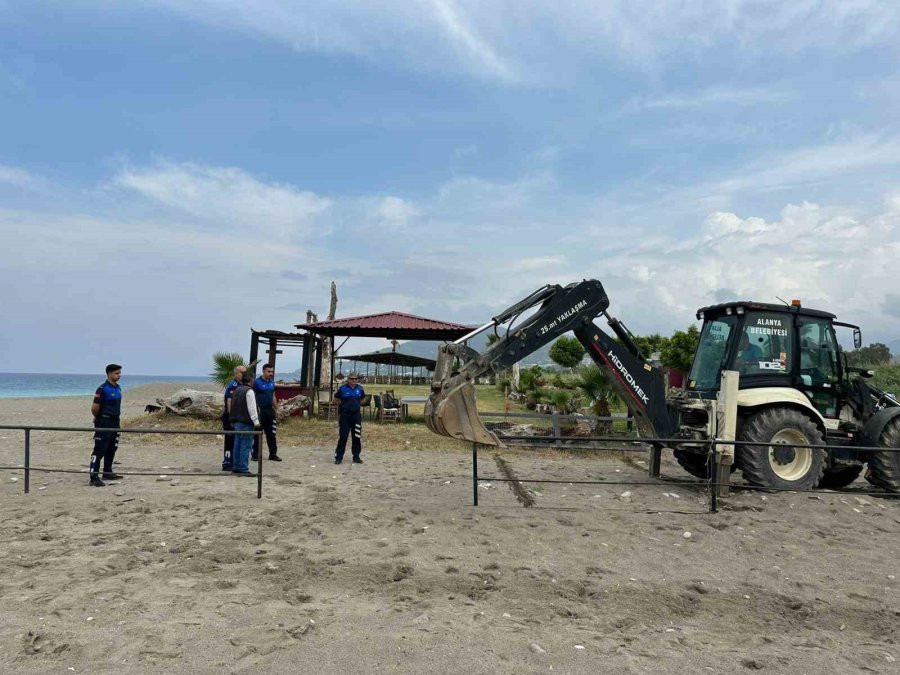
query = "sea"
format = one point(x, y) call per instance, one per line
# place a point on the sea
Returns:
point(13, 385)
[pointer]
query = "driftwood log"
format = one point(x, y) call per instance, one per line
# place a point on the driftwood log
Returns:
point(208, 404)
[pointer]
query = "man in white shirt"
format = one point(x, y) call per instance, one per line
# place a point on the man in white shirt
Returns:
point(245, 417)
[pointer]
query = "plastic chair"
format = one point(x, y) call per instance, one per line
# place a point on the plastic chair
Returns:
point(386, 414)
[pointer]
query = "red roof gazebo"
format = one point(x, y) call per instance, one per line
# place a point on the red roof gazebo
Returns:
point(388, 325)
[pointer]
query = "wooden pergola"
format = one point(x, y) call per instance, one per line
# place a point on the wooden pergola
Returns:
point(387, 325)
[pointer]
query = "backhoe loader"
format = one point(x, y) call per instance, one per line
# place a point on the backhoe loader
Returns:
point(795, 387)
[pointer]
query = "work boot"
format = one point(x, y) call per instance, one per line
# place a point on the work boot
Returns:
point(96, 482)
point(338, 461)
point(254, 457)
point(357, 460)
point(274, 458)
point(109, 475)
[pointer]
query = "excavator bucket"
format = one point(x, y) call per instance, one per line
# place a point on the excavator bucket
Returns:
point(451, 411)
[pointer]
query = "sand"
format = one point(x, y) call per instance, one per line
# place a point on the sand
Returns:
point(388, 568)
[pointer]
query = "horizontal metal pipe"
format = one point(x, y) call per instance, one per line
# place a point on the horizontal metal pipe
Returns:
point(120, 473)
point(27, 427)
point(591, 482)
point(694, 441)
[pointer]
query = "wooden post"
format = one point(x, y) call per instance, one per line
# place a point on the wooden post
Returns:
point(273, 351)
point(254, 346)
point(655, 461)
point(308, 343)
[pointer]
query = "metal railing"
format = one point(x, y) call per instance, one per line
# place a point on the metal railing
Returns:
point(28, 468)
point(716, 485)
point(549, 426)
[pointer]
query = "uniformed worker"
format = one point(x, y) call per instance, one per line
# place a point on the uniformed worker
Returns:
point(107, 412)
point(228, 451)
point(349, 396)
point(264, 388)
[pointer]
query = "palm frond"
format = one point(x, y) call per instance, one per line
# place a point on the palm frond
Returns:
point(224, 364)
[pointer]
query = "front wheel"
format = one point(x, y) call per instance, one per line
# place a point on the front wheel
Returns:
point(781, 464)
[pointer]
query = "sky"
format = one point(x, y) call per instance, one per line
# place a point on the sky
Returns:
point(175, 173)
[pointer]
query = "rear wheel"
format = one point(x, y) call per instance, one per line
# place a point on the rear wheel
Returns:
point(781, 465)
point(884, 467)
point(840, 476)
point(694, 464)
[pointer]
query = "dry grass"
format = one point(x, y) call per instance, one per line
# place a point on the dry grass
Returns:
point(410, 434)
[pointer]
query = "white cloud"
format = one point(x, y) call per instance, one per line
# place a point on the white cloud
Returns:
point(715, 96)
point(17, 177)
point(226, 197)
point(538, 264)
point(393, 213)
point(828, 257)
point(479, 246)
point(522, 41)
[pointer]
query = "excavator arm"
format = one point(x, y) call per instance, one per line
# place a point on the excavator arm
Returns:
point(451, 409)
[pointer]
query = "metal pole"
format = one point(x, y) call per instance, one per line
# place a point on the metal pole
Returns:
point(259, 435)
point(27, 460)
point(713, 480)
point(475, 474)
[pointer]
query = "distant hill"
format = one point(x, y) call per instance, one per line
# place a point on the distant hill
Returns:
point(428, 350)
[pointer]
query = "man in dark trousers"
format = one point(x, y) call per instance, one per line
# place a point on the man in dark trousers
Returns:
point(350, 396)
point(107, 412)
point(228, 451)
point(244, 417)
point(264, 388)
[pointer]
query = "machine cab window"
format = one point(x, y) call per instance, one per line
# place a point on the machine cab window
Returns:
point(711, 353)
point(764, 347)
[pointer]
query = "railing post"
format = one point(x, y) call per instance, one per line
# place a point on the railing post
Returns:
point(27, 460)
point(556, 430)
point(259, 435)
point(653, 468)
point(474, 474)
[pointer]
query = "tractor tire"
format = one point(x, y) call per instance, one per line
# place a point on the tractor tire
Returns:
point(884, 467)
point(780, 465)
point(840, 477)
point(694, 464)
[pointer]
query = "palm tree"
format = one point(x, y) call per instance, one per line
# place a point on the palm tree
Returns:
point(594, 385)
point(224, 364)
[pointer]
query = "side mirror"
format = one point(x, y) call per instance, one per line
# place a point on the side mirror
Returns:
point(857, 338)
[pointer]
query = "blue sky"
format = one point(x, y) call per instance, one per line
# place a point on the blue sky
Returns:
point(173, 173)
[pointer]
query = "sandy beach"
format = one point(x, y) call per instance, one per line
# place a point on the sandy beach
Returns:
point(388, 568)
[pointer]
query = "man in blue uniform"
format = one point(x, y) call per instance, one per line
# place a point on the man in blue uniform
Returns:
point(350, 397)
point(264, 388)
point(107, 411)
point(228, 452)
